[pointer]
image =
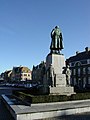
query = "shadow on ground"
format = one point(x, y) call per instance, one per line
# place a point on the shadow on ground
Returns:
point(83, 116)
point(4, 113)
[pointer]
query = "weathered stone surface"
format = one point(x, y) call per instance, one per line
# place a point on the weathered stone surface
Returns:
point(56, 78)
point(46, 110)
point(57, 61)
point(62, 90)
point(60, 80)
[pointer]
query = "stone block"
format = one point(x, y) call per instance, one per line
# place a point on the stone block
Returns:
point(62, 90)
point(60, 80)
point(57, 61)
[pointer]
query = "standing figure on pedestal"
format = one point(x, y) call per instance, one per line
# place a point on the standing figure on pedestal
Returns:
point(56, 43)
point(68, 74)
point(51, 76)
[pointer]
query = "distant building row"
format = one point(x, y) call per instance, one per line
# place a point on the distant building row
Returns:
point(17, 74)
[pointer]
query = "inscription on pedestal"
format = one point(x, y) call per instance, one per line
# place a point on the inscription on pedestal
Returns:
point(60, 80)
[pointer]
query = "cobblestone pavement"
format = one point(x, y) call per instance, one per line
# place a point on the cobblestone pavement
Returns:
point(4, 113)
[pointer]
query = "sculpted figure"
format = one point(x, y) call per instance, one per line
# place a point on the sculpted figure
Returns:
point(68, 74)
point(56, 43)
point(51, 76)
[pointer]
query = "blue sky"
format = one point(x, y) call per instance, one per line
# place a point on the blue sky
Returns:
point(25, 27)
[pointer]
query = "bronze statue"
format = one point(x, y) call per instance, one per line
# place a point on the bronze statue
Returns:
point(56, 43)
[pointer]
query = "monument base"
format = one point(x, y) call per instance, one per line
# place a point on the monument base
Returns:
point(57, 61)
point(58, 64)
point(58, 80)
point(61, 90)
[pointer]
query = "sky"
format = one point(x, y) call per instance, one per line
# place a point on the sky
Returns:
point(25, 27)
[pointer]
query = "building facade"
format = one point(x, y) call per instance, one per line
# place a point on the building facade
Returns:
point(38, 72)
point(80, 68)
point(21, 74)
point(6, 76)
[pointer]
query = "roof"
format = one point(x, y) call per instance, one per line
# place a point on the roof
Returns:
point(25, 69)
point(22, 69)
point(80, 56)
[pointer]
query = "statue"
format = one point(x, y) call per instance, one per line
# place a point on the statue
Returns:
point(51, 76)
point(56, 43)
point(68, 74)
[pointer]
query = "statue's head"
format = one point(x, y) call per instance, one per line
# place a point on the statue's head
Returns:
point(57, 27)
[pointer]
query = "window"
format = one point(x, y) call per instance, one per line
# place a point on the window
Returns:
point(71, 81)
point(84, 70)
point(25, 74)
point(71, 72)
point(78, 64)
point(74, 71)
point(88, 70)
point(72, 64)
point(79, 71)
point(74, 81)
point(84, 82)
point(83, 61)
point(88, 80)
point(88, 61)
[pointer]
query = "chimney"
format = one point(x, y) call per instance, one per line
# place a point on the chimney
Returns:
point(77, 52)
point(87, 49)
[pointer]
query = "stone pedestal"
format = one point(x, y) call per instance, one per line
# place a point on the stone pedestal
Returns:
point(57, 61)
point(60, 80)
point(62, 90)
